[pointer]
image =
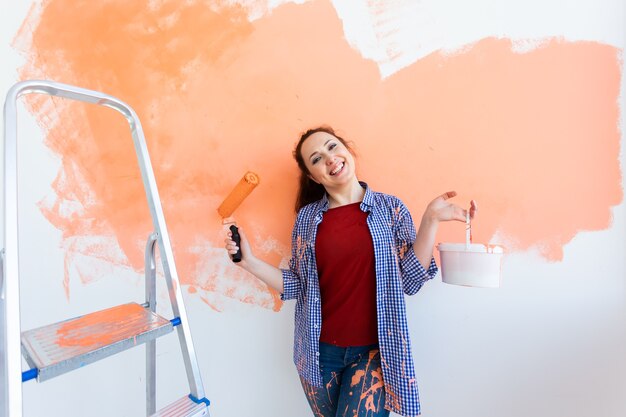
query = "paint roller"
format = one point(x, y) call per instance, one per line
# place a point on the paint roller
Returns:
point(243, 188)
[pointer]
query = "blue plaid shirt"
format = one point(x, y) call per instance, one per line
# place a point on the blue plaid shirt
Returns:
point(398, 272)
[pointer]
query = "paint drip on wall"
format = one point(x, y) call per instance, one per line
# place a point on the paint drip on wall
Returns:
point(528, 135)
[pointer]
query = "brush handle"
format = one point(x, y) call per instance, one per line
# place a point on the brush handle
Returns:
point(237, 239)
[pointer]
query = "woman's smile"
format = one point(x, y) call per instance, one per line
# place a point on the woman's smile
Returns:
point(328, 160)
point(338, 169)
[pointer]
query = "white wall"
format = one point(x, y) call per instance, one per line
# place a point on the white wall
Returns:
point(550, 342)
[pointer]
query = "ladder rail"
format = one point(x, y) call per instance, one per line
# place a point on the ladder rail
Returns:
point(150, 282)
point(11, 268)
point(2, 274)
point(3, 365)
point(11, 264)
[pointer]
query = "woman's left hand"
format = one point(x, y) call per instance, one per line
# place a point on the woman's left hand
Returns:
point(441, 210)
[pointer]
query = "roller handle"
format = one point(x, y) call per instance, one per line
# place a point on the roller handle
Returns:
point(237, 239)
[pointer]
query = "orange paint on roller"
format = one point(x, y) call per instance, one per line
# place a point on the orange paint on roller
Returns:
point(230, 204)
point(238, 194)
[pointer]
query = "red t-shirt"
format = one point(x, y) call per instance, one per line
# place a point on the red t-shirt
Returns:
point(344, 252)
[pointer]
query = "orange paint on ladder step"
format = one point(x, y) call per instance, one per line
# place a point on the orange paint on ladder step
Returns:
point(101, 328)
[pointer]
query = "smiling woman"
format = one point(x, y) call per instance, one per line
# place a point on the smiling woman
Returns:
point(355, 253)
point(311, 169)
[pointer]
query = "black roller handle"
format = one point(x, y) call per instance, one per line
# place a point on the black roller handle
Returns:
point(237, 239)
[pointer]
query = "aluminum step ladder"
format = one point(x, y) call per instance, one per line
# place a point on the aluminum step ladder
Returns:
point(49, 350)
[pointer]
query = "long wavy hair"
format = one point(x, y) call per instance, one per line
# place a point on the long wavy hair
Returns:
point(308, 190)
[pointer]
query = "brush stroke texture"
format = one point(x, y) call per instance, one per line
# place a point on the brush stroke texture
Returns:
point(533, 136)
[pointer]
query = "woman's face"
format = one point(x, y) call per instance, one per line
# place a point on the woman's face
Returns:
point(328, 160)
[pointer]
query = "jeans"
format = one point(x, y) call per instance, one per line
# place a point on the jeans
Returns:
point(353, 383)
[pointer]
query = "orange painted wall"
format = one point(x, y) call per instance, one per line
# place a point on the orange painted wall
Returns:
point(533, 136)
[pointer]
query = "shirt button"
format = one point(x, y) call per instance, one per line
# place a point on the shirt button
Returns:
point(315, 326)
point(316, 299)
point(317, 353)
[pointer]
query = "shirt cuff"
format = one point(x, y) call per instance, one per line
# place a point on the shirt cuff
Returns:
point(291, 285)
point(414, 274)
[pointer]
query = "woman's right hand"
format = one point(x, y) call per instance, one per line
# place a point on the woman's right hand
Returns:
point(267, 273)
point(231, 247)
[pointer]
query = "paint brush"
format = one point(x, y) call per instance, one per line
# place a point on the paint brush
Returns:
point(242, 190)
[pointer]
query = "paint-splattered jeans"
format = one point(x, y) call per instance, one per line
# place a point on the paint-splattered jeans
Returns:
point(353, 383)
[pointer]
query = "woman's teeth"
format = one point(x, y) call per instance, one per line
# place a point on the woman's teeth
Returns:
point(336, 170)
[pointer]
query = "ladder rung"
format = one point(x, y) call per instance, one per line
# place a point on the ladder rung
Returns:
point(183, 407)
point(62, 347)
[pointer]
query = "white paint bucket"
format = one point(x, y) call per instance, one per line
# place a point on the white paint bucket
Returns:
point(473, 265)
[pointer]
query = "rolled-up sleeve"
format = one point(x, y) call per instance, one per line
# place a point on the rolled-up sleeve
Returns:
point(414, 275)
point(292, 283)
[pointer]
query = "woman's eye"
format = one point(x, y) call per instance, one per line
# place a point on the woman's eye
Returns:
point(332, 146)
point(315, 160)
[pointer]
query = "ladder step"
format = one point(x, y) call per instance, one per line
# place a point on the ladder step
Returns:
point(62, 347)
point(183, 407)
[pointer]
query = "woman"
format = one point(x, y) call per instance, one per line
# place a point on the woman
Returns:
point(355, 253)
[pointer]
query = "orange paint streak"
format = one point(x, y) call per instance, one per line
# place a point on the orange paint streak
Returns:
point(86, 331)
point(356, 378)
point(210, 304)
point(310, 391)
point(392, 399)
point(334, 380)
point(526, 135)
point(376, 384)
point(368, 395)
point(276, 298)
